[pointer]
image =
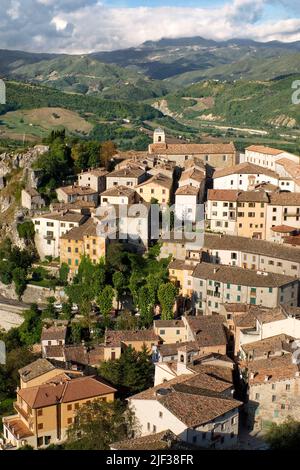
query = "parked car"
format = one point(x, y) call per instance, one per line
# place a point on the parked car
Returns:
point(74, 308)
point(58, 306)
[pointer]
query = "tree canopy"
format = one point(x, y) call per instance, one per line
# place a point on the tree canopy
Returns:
point(99, 424)
point(132, 372)
point(285, 436)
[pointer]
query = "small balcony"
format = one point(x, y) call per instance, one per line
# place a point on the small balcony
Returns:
point(48, 237)
point(21, 411)
point(16, 428)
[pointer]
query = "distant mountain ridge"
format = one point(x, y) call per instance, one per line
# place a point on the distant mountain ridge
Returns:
point(178, 62)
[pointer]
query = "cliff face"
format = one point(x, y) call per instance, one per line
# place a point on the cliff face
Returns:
point(20, 160)
point(16, 173)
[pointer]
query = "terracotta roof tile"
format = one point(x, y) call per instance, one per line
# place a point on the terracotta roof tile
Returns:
point(187, 191)
point(195, 410)
point(35, 369)
point(265, 150)
point(283, 229)
point(245, 168)
point(54, 351)
point(64, 216)
point(159, 179)
point(272, 369)
point(188, 149)
point(78, 190)
point(168, 324)
point(115, 338)
point(194, 174)
point(89, 228)
point(73, 390)
point(222, 195)
point(284, 199)
point(270, 345)
point(248, 245)
point(240, 276)
point(159, 441)
point(128, 172)
point(119, 191)
point(54, 333)
point(208, 330)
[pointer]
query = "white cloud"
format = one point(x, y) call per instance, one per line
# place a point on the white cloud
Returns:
point(14, 10)
point(81, 26)
point(59, 23)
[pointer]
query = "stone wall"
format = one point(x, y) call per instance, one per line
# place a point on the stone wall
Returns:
point(32, 294)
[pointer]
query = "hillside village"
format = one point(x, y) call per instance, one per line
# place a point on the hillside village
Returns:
point(209, 307)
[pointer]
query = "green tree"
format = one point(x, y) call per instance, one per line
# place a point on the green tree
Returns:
point(99, 424)
point(145, 306)
point(64, 273)
point(116, 258)
point(19, 276)
point(99, 277)
point(133, 371)
point(153, 282)
point(105, 300)
point(167, 296)
point(26, 230)
point(76, 330)
point(31, 328)
point(49, 311)
point(135, 282)
point(9, 375)
point(285, 436)
point(126, 321)
point(119, 283)
point(67, 313)
point(55, 165)
point(108, 150)
point(6, 268)
point(88, 282)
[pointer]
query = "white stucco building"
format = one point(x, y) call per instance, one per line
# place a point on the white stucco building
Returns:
point(198, 408)
point(186, 201)
point(244, 177)
point(50, 227)
point(267, 156)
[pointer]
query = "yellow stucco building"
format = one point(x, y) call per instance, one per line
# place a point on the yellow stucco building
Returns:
point(179, 272)
point(251, 214)
point(45, 411)
point(158, 187)
point(80, 241)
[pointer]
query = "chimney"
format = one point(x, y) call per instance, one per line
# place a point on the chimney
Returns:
point(266, 378)
point(252, 375)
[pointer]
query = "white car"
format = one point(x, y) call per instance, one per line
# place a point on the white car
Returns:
point(58, 306)
point(74, 308)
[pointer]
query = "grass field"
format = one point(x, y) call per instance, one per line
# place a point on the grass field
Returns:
point(38, 122)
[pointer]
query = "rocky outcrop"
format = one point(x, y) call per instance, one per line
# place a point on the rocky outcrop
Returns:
point(16, 169)
point(11, 161)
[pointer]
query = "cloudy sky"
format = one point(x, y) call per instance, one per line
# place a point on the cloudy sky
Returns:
point(80, 26)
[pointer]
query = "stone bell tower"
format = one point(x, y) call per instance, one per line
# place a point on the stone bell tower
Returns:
point(159, 136)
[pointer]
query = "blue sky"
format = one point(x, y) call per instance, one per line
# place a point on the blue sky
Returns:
point(273, 10)
point(81, 26)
